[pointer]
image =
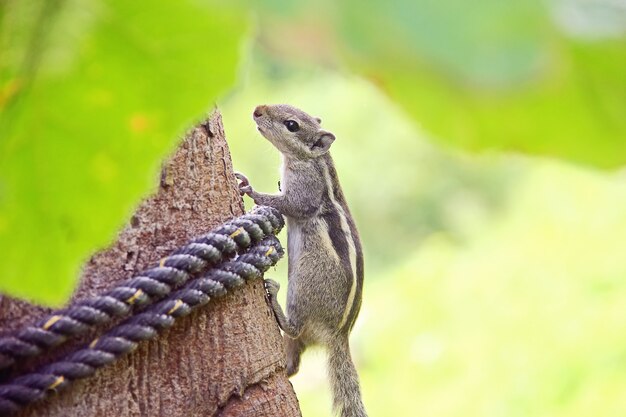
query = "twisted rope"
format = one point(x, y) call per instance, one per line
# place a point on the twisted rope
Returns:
point(145, 325)
point(223, 243)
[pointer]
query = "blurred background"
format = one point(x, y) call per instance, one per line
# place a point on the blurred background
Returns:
point(480, 144)
point(494, 281)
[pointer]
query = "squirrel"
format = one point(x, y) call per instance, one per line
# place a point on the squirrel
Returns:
point(325, 259)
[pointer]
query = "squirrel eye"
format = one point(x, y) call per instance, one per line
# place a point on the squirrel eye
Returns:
point(292, 125)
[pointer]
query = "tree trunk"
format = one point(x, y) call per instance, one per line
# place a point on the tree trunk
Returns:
point(225, 359)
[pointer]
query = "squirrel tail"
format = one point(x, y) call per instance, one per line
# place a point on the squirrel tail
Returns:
point(344, 380)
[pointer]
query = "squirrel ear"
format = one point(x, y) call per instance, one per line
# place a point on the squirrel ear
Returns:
point(318, 120)
point(323, 142)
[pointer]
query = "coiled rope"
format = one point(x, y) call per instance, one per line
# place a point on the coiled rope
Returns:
point(172, 271)
point(264, 250)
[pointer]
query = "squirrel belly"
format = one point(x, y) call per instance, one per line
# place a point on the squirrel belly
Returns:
point(320, 294)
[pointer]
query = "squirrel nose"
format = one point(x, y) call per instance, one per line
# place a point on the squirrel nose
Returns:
point(259, 111)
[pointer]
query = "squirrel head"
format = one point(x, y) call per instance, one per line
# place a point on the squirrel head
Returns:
point(293, 132)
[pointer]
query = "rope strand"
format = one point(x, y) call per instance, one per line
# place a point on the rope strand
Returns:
point(144, 325)
point(171, 272)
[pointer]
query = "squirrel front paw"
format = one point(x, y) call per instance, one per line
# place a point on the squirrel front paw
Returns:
point(244, 184)
point(271, 287)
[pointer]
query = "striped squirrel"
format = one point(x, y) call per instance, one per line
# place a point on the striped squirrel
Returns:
point(325, 259)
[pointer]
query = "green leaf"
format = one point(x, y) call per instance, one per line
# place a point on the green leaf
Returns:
point(544, 78)
point(93, 95)
point(496, 75)
point(575, 111)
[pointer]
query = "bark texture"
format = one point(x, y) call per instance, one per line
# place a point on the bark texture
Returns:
point(225, 359)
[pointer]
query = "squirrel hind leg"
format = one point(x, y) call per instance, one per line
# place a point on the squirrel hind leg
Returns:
point(291, 328)
point(294, 349)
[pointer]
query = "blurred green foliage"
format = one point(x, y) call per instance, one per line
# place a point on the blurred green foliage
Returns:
point(541, 77)
point(494, 283)
point(93, 94)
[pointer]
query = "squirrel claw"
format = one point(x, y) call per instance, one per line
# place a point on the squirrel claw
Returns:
point(245, 190)
point(244, 184)
point(271, 287)
point(244, 180)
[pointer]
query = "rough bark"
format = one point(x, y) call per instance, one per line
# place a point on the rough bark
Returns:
point(225, 359)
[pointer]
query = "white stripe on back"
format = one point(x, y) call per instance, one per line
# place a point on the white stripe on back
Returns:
point(345, 227)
